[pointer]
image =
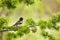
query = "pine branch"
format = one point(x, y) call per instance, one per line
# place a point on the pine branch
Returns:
point(8, 29)
point(15, 28)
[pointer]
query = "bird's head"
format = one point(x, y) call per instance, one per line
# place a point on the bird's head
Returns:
point(21, 19)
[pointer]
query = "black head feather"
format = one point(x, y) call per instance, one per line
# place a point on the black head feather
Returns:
point(21, 19)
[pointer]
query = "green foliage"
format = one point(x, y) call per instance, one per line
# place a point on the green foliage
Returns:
point(51, 37)
point(34, 29)
point(20, 1)
point(56, 28)
point(3, 23)
point(10, 36)
point(42, 24)
point(29, 2)
point(55, 19)
point(49, 24)
point(44, 34)
point(30, 21)
point(58, 17)
point(20, 32)
point(11, 4)
point(23, 30)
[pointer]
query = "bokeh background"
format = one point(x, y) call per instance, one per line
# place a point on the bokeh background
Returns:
point(41, 9)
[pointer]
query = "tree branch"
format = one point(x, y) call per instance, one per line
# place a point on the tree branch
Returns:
point(14, 29)
point(7, 29)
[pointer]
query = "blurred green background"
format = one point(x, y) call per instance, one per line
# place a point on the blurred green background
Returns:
point(43, 9)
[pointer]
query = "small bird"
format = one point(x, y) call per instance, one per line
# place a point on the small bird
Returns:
point(19, 22)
